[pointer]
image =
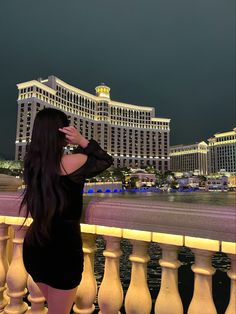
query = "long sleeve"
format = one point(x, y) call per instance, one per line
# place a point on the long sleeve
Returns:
point(98, 160)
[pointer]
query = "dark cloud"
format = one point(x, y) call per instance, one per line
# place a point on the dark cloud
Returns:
point(178, 56)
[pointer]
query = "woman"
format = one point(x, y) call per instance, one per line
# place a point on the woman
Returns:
point(52, 249)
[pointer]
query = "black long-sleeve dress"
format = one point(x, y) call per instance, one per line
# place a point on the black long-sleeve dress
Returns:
point(60, 263)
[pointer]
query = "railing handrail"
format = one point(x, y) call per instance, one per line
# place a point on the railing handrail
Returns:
point(186, 219)
point(196, 220)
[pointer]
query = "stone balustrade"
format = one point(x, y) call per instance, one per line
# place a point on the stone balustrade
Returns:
point(202, 228)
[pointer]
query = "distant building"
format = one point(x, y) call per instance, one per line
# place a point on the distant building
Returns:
point(216, 183)
point(132, 134)
point(188, 182)
point(186, 158)
point(143, 178)
point(232, 182)
point(222, 152)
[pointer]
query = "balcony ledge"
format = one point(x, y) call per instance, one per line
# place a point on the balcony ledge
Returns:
point(183, 219)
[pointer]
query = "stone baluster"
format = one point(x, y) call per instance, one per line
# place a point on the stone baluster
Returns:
point(231, 309)
point(87, 290)
point(168, 299)
point(10, 244)
point(36, 298)
point(202, 295)
point(138, 299)
point(17, 276)
point(3, 263)
point(110, 295)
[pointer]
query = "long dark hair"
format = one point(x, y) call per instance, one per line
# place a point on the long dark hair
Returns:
point(44, 195)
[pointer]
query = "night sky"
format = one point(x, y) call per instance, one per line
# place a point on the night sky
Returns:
point(175, 55)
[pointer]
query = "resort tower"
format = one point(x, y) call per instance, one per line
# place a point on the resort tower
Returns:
point(130, 133)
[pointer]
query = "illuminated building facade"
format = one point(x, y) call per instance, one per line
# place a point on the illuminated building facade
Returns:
point(222, 152)
point(130, 133)
point(185, 158)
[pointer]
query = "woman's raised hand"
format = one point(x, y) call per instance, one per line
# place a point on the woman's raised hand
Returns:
point(73, 136)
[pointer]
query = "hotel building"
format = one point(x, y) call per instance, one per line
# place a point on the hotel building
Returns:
point(130, 133)
point(222, 152)
point(185, 158)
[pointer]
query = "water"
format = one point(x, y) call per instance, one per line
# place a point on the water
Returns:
point(221, 282)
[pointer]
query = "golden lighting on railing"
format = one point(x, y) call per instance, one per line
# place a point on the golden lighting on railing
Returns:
point(140, 235)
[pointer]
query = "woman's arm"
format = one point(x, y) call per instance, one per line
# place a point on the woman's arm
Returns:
point(74, 137)
point(98, 159)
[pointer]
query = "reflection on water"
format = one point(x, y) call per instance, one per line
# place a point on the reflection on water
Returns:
point(221, 282)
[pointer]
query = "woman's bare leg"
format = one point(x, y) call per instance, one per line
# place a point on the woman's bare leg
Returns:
point(60, 301)
point(44, 289)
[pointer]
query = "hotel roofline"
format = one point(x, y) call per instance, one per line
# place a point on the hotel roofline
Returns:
point(222, 134)
point(43, 85)
point(188, 145)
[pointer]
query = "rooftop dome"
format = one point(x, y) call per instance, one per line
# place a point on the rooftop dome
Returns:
point(103, 91)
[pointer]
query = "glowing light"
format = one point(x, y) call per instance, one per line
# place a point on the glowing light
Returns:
point(166, 238)
point(160, 120)
point(137, 235)
point(228, 247)
point(225, 133)
point(188, 152)
point(38, 84)
point(223, 142)
point(200, 243)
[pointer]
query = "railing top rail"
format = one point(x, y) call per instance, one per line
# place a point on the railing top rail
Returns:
point(186, 219)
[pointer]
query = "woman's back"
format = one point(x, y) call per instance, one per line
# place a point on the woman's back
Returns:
point(52, 248)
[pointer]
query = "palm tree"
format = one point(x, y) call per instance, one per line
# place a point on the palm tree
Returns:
point(133, 182)
point(11, 167)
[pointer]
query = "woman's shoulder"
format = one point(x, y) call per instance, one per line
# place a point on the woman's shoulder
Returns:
point(71, 163)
